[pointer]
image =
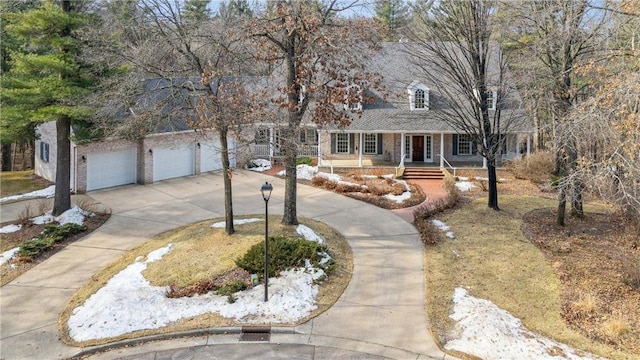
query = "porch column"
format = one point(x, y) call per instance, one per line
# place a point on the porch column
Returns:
point(403, 147)
point(442, 150)
point(272, 142)
point(528, 144)
point(360, 142)
point(484, 162)
point(319, 154)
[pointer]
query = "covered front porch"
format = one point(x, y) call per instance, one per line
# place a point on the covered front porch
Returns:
point(423, 149)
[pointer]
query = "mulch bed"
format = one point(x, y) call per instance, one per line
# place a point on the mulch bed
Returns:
point(597, 260)
point(18, 266)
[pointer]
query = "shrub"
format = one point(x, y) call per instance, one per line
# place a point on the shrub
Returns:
point(536, 167)
point(428, 232)
point(231, 288)
point(47, 238)
point(284, 253)
point(304, 161)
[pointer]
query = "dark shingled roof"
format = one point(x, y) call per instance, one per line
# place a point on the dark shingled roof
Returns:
point(394, 115)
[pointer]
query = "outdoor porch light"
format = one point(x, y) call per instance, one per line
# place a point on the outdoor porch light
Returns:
point(266, 194)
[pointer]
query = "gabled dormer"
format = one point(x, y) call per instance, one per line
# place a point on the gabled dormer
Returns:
point(418, 96)
point(492, 97)
point(353, 98)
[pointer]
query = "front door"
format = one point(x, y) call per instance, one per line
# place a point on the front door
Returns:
point(417, 152)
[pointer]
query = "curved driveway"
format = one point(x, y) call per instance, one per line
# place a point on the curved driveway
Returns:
point(380, 313)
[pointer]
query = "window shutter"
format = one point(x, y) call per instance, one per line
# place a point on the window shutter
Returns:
point(454, 150)
point(41, 150)
point(352, 142)
point(379, 136)
point(333, 143)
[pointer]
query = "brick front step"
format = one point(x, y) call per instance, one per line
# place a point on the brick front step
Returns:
point(422, 174)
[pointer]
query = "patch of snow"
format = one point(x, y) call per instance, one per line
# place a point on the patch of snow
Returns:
point(8, 255)
point(463, 178)
point(332, 177)
point(309, 234)
point(10, 229)
point(464, 185)
point(128, 302)
point(44, 193)
point(440, 225)
point(480, 178)
point(450, 235)
point(399, 198)
point(488, 332)
point(303, 171)
point(235, 222)
point(259, 165)
point(74, 215)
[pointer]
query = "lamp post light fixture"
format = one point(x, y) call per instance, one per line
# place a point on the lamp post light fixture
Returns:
point(266, 194)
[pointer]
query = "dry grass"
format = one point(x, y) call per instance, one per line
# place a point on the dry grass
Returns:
point(202, 252)
point(586, 304)
point(615, 327)
point(20, 182)
point(493, 259)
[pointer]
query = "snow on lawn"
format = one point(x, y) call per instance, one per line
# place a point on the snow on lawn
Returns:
point(464, 185)
point(235, 222)
point(128, 302)
point(8, 255)
point(44, 193)
point(259, 165)
point(309, 234)
point(74, 215)
point(10, 229)
point(303, 171)
point(488, 332)
point(444, 227)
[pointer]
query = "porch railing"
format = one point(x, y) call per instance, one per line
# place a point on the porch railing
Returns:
point(263, 150)
point(448, 164)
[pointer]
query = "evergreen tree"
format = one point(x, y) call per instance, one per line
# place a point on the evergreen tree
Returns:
point(393, 14)
point(195, 10)
point(46, 80)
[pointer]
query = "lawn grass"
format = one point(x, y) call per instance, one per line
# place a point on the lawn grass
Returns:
point(493, 260)
point(20, 182)
point(201, 252)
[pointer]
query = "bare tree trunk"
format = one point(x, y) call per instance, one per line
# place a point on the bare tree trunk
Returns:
point(562, 205)
point(226, 175)
point(493, 184)
point(62, 199)
point(290, 216)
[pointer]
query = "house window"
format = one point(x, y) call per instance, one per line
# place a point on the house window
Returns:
point(308, 136)
point(465, 144)
point(418, 96)
point(353, 98)
point(492, 99)
point(262, 136)
point(370, 143)
point(419, 99)
point(342, 143)
point(44, 151)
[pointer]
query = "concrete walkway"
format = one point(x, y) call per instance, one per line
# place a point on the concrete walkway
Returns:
point(381, 313)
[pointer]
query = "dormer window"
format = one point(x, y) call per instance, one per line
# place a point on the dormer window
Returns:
point(353, 98)
point(492, 98)
point(418, 96)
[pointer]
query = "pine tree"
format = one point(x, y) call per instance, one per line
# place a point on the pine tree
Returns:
point(393, 14)
point(46, 80)
point(196, 10)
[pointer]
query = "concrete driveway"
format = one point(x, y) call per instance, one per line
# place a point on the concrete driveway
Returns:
point(381, 312)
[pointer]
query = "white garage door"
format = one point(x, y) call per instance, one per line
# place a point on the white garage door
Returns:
point(113, 168)
point(211, 156)
point(173, 162)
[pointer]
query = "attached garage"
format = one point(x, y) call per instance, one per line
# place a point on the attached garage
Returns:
point(111, 168)
point(211, 156)
point(173, 162)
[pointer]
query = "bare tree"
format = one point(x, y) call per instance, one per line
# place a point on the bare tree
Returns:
point(562, 35)
point(453, 48)
point(195, 54)
point(320, 65)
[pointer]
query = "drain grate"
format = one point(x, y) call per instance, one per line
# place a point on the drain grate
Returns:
point(255, 333)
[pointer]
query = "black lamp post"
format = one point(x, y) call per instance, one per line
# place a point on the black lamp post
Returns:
point(266, 194)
